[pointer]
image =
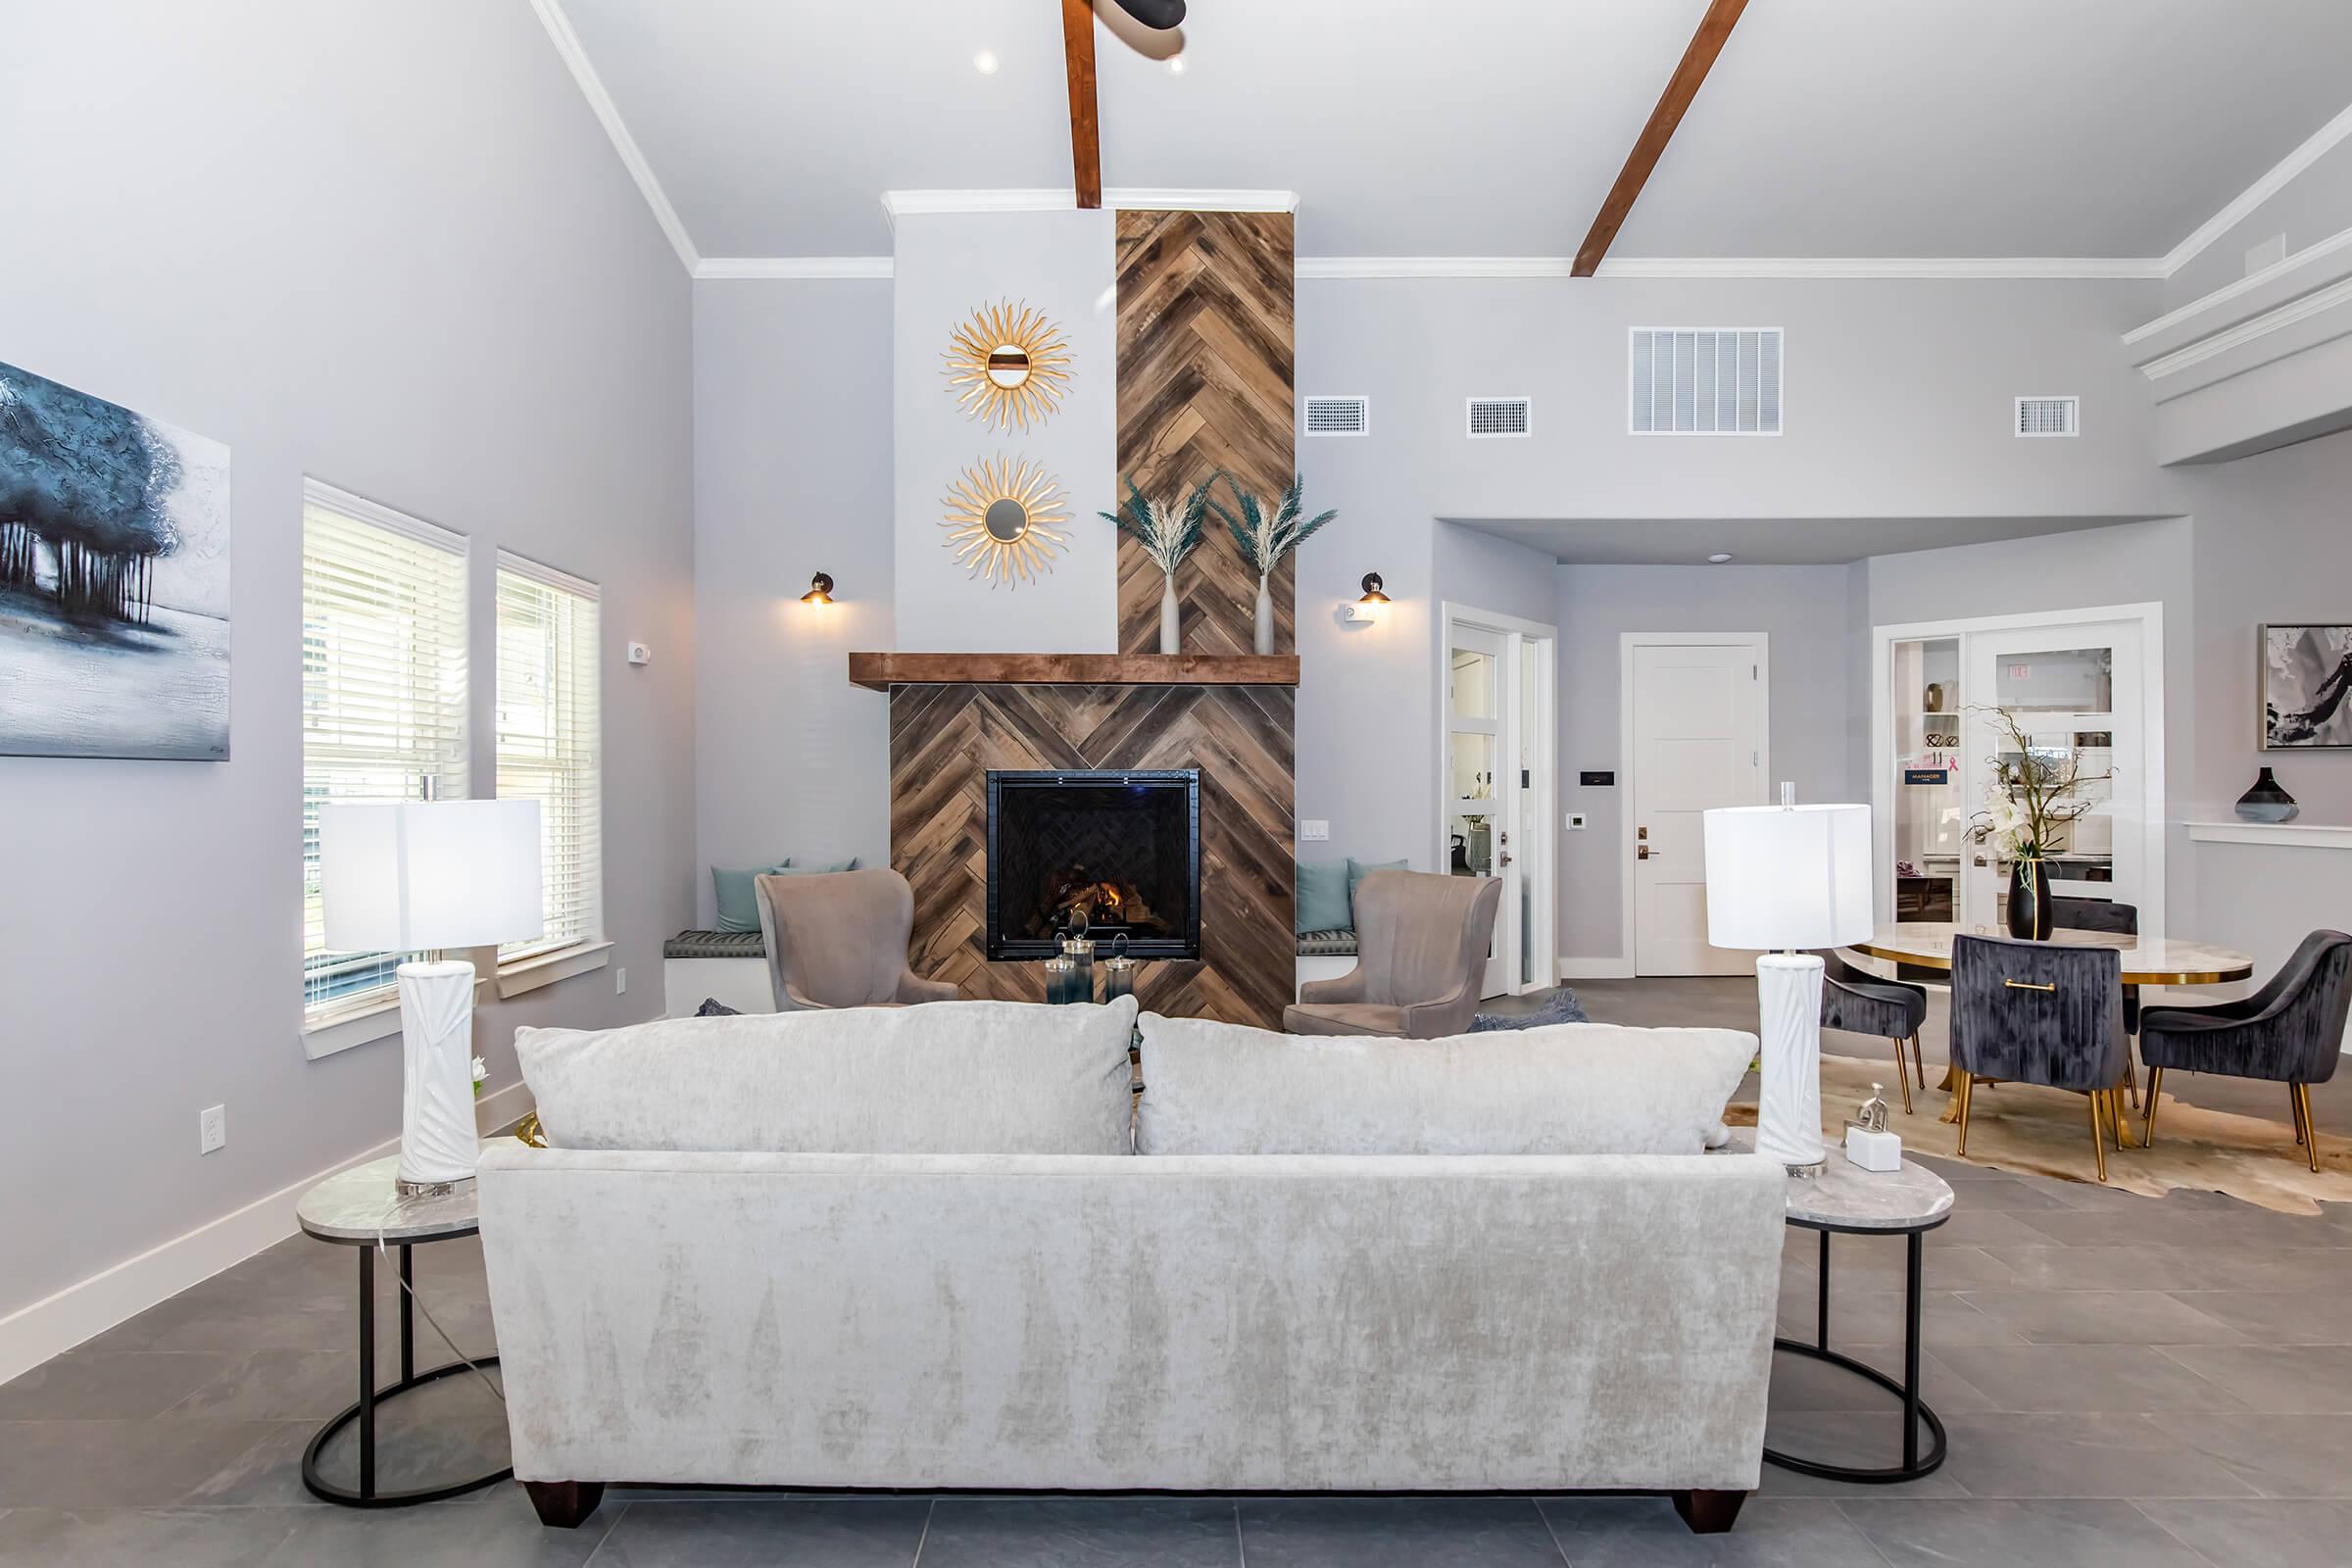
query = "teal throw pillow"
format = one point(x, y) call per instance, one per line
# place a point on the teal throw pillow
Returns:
point(1323, 896)
point(738, 903)
point(1356, 872)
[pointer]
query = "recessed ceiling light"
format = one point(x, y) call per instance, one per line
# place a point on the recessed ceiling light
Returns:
point(1719, 557)
point(986, 62)
point(1175, 65)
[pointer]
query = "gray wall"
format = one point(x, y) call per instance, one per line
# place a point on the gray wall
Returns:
point(792, 474)
point(1803, 613)
point(453, 303)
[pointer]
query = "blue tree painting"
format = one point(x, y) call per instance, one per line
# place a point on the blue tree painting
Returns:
point(114, 580)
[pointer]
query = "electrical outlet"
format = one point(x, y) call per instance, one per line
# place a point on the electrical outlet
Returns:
point(1576, 821)
point(212, 1129)
point(621, 982)
point(1313, 830)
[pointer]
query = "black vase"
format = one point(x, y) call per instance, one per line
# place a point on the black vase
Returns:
point(2029, 908)
point(2266, 802)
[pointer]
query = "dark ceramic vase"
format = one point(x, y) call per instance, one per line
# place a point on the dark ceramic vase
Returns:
point(2266, 802)
point(2030, 908)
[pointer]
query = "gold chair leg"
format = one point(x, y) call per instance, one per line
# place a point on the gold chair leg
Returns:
point(2294, 1103)
point(2131, 1077)
point(1966, 1078)
point(2311, 1133)
point(1918, 1061)
point(1902, 1075)
point(2098, 1140)
point(2147, 1135)
point(2116, 1117)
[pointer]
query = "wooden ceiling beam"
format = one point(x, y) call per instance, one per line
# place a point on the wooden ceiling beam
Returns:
point(1698, 59)
point(1086, 138)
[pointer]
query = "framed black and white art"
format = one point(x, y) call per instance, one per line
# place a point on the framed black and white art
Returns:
point(2307, 687)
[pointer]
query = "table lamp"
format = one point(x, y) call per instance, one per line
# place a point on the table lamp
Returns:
point(1786, 878)
point(410, 876)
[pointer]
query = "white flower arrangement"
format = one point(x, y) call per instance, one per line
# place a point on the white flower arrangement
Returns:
point(481, 1075)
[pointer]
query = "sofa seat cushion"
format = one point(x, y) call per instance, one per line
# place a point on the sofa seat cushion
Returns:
point(950, 1078)
point(715, 944)
point(1337, 943)
point(1567, 1089)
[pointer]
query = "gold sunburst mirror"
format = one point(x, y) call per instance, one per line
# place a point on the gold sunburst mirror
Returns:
point(1010, 364)
point(1004, 520)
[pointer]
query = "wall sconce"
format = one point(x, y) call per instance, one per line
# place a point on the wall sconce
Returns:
point(1374, 601)
point(820, 590)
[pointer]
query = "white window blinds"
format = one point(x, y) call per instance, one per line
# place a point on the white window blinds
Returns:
point(548, 747)
point(383, 697)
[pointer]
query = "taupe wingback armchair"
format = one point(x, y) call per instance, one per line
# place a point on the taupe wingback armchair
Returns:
point(838, 939)
point(1421, 945)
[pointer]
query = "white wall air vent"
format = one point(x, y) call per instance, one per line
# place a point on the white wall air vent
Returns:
point(2047, 415)
point(1722, 380)
point(1495, 417)
point(1339, 416)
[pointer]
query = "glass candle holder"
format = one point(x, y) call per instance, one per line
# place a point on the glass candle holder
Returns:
point(1079, 953)
point(1118, 971)
point(1061, 982)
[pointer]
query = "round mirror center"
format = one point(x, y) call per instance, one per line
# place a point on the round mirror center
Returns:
point(1008, 520)
point(1009, 364)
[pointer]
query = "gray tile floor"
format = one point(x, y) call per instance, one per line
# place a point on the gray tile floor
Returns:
point(2125, 1380)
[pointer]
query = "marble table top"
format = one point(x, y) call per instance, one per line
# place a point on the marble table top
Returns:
point(1845, 1196)
point(357, 1205)
point(2147, 961)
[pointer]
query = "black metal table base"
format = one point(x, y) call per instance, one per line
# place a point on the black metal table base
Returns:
point(1915, 1414)
point(366, 1496)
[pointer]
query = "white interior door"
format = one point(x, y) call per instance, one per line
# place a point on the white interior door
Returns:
point(1696, 721)
point(1480, 807)
point(2078, 690)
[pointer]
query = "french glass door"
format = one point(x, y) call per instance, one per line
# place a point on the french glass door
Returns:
point(1497, 787)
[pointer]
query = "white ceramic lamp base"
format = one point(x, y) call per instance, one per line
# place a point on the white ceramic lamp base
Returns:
point(1788, 1109)
point(438, 1143)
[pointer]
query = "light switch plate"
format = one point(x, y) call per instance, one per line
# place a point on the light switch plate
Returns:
point(1313, 830)
point(639, 654)
point(1576, 821)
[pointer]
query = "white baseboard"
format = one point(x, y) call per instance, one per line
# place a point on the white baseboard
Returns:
point(1596, 969)
point(33, 1334)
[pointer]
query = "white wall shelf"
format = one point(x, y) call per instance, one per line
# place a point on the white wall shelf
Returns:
point(2293, 835)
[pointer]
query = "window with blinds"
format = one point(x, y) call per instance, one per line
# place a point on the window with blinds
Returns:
point(549, 748)
point(384, 698)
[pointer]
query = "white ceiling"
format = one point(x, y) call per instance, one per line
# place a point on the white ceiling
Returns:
point(1761, 541)
point(1494, 128)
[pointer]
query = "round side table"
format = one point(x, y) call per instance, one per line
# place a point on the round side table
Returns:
point(353, 1209)
point(1846, 1200)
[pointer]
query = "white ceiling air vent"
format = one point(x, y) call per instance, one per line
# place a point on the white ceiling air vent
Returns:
point(1339, 416)
point(1722, 380)
point(1494, 416)
point(2047, 415)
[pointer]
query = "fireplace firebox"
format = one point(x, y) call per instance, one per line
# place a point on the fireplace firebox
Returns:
point(1122, 847)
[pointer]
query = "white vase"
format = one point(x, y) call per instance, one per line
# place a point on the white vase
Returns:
point(437, 1139)
point(1265, 618)
point(1169, 617)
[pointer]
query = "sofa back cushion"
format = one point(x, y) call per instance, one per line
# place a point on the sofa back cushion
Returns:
point(1565, 1088)
point(945, 1078)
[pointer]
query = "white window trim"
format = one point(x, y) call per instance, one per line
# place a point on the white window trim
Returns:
point(529, 971)
point(533, 970)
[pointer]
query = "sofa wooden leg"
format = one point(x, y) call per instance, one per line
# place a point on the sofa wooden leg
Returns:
point(1708, 1513)
point(565, 1504)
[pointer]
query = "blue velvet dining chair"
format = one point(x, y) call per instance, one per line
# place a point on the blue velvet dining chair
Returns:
point(2037, 1012)
point(2123, 920)
point(1865, 1004)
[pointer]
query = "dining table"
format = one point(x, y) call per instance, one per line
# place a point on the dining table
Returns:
point(2147, 961)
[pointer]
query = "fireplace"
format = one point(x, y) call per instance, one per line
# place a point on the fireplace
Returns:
point(1123, 847)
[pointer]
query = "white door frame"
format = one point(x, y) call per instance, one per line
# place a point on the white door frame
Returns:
point(1758, 642)
point(1544, 898)
point(2149, 613)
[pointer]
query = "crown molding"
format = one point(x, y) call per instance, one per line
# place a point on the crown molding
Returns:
point(2318, 250)
point(1735, 267)
point(2242, 205)
point(2315, 303)
point(607, 114)
point(807, 269)
point(1061, 198)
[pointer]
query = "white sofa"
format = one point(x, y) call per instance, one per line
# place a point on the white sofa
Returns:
point(911, 1249)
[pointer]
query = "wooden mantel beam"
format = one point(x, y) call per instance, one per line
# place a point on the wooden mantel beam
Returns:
point(1698, 59)
point(1086, 141)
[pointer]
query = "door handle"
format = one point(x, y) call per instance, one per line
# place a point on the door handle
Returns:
point(1645, 852)
point(1505, 859)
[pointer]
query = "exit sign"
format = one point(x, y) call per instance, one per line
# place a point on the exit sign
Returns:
point(2020, 672)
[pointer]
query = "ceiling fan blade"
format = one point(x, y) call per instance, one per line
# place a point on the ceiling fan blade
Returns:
point(1157, 15)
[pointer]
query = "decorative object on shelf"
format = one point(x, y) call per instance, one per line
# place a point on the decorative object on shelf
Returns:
point(1932, 701)
point(1004, 520)
point(408, 876)
point(1118, 970)
point(1372, 604)
point(1264, 537)
point(1789, 879)
point(1168, 534)
point(1012, 364)
point(120, 648)
point(2305, 676)
point(2031, 801)
point(2266, 801)
point(1868, 1142)
point(1079, 948)
point(820, 590)
point(1061, 982)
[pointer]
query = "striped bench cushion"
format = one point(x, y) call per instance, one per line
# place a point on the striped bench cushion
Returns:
point(715, 944)
point(1327, 944)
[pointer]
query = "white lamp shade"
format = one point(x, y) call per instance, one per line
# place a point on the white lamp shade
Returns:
point(1788, 876)
point(398, 876)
